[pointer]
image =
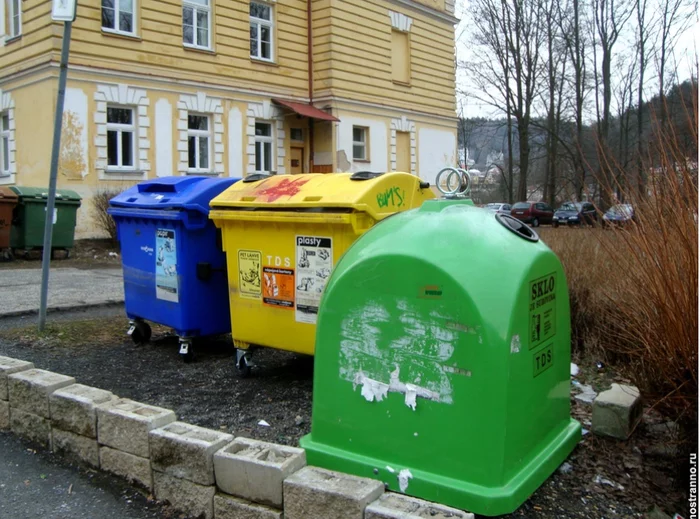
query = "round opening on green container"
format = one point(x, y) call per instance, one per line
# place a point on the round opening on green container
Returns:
point(517, 227)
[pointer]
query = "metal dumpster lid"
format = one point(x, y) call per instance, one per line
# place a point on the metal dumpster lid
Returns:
point(190, 193)
point(376, 194)
point(62, 195)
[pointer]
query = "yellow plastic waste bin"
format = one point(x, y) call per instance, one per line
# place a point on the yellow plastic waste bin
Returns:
point(283, 235)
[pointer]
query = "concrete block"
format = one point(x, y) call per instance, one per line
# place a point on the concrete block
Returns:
point(315, 493)
point(75, 446)
point(4, 415)
point(229, 507)
point(73, 408)
point(8, 366)
point(30, 426)
point(29, 390)
point(124, 425)
point(186, 451)
point(255, 470)
point(398, 506)
point(184, 495)
point(132, 468)
point(617, 411)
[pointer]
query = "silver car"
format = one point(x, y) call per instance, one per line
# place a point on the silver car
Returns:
point(499, 208)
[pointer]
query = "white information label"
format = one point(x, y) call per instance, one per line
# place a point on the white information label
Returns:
point(314, 258)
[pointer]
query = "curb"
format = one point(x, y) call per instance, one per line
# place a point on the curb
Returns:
point(68, 307)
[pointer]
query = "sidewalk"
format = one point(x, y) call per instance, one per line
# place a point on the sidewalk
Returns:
point(69, 288)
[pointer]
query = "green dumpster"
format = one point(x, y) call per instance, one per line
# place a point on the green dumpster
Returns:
point(443, 358)
point(29, 218)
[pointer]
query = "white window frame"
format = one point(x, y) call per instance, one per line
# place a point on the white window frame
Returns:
point(196, 8)
point(7, 17)
point(263, 141)
point(121, 129)
point(364, 143)
point(259, 23)
point(117, 12)
point(5, 140)
point(198, 135)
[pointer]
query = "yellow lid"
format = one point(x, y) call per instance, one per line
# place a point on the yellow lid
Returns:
point(377, 194)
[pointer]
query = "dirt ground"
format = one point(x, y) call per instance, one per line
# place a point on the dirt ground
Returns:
point(85, 254)
point(603, 478)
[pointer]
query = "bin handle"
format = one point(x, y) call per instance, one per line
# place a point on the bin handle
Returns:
point(365, 175)
point(255, 177)
point(517, 227)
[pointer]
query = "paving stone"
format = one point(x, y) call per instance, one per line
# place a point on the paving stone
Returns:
point(29, 390)
point(315, 493)
point(617, 411)
point(73, 445)
point(134, 469)
point(30, 426)
point(184, 495)
point(255, 470)
point(4, 415)
point(8, 366)
point(73, 408)
point(229, 507)
point(397, 506)
point(186, 451)
point(124, 425)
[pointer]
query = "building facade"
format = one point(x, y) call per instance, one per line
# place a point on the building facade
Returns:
point(178, 87)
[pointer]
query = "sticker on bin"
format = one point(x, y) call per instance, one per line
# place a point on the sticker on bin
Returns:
point(314, 256)
point(249, 273)
point(278, 287)
point(542, 309)
point(166, 266)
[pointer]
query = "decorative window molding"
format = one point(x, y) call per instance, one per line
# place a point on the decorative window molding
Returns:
point(123, 95)
point(7, 108)
point(403, 125)
point(265, 112)
point(200, 104)
point(400, 21)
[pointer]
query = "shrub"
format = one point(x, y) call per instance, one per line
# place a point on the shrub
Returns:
point(100, 204)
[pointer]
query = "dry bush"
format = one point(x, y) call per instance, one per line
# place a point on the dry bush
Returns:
point(100, 204)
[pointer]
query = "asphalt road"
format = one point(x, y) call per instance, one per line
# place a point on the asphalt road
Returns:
point(36, 485)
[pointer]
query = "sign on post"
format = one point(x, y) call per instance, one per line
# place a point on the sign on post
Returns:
point(63, 10)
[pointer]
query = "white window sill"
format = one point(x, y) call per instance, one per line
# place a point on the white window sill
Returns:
point(207, 173)
point(264, 61)
point(190, 46)
point(11, 39)
point(7, 178)
point(114, 32)
point(119, 171)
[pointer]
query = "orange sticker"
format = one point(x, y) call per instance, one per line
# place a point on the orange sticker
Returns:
point(278, 287)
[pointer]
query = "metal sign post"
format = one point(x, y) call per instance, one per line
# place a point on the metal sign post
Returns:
point(62, 10)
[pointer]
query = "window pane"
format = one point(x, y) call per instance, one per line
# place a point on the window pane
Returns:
point(5, 154)
point(108, 18)
point(127, 149)
point(265, 51)
point(188, 16)
point(258, 156)
point(253, 39)
point(199, 2)
point(296, 134)
point(5, 123)
point(187, 34)
point(260, 11)
point(268, 156)
point(197, 122)
point(119, 115)
point(109, 4)
point(358, 135)
point(265, 38)
point(204, 152)
point(202, 28)
point(126, 6)
point(263, 129)
point(15, 25)
point(125, 20)
point(112, 154)
point(358, 152)
point(191, 149)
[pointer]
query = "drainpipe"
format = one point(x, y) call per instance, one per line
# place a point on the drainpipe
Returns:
point(310, 58)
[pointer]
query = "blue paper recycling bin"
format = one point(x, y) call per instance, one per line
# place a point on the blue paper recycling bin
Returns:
point(174, 265)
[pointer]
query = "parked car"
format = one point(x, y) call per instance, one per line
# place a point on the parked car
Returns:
point(620, 214)
point(575, 213)
point(534, 213)
point(498, 207)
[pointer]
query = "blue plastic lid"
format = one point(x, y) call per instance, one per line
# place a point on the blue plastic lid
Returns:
point(191, 193)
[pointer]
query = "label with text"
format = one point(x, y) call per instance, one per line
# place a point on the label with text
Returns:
point(542, 360)
point(314, 262)
point(542, 309)
point(166, 266)
point(249, 273)
point(278, 287)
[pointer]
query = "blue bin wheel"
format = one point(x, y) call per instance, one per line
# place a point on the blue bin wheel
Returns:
point(141, 333)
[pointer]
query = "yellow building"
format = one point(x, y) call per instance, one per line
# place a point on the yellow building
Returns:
point(178, 87)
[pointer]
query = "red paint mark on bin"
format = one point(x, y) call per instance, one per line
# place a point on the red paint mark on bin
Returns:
point(285, 187)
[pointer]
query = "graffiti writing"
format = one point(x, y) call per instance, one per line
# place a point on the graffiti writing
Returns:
point(393, 196)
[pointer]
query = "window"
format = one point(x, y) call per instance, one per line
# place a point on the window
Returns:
point(400, 57)
point(121, 133)
point(296, 134)
point(196, 23)
point(198, 140)
point(4, 144)
point(13, 18)
point(263, 148)
point(260, 31)
point(359, 143)
point(118, 16)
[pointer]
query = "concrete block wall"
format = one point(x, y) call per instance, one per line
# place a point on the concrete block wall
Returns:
point(199, 471)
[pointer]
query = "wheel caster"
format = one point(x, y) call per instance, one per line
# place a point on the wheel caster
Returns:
point(140, 332)
point(186, 352)
point(243, 363)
